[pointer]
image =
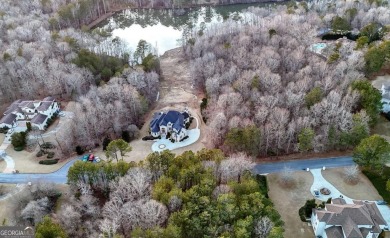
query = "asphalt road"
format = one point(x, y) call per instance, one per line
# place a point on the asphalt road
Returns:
point(274, 167)
point(59, 176)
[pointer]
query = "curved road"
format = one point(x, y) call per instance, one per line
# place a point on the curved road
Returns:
point(60, 176)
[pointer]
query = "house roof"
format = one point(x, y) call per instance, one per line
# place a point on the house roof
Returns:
point(350, 216)
point(38, 119)
point(162, 119)
point(49, 99)
point(338, 201)
point(386, 96)
point(28, 104)
point(8, 119)
point(44, 106)
point(186, 115)
point(12, 107)
point(334, 232)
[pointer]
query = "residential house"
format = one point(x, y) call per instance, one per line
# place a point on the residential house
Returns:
point(362, 219)
point(171, 123)
point(37, 112)
point(385, 90)
point(8, 121)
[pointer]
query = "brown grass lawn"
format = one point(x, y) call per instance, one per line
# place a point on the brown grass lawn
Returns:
point(362, 190)
point(382, 127)
point(288, 201)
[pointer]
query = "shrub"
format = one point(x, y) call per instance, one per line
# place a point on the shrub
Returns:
point(48, 145)
point(40, 153)
point(49, 161)
point(50, 155)
point(126, 136)
point(18, 148)
point(333, 57)
point(306, 210)
point(4, 130)
point(79, 150)
point(18, 139)
point(302, 214)
point(106, 141)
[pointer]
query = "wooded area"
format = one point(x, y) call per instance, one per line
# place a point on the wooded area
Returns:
point(260, 76)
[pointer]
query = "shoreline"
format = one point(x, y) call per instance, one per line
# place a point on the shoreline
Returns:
point(115, 10)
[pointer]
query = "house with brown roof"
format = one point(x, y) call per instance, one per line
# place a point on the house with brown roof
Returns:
point(37, 112)
point(362, 219)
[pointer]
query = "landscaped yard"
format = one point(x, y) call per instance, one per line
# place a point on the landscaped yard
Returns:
point(363, 189)
point(288, 201)
point(379, 181)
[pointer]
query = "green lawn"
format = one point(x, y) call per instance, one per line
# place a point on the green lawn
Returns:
point(379, 181)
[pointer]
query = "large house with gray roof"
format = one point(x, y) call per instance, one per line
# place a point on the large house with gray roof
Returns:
point(170, 123)
point(37, 112)
point(362, 219)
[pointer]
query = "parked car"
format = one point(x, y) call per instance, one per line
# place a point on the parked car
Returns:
point(91, 157)
point(316, 193)
point(85, 158)
point(61, 114)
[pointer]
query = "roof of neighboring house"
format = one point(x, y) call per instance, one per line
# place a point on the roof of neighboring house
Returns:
point(350, 216)
point(49, 99)
point(8, 119)
point(38, 119)
point(334, 232)
point(28, 104)
point(44, 106)
point(12, 107)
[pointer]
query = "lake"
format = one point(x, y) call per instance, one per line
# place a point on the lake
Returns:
point(163, 29)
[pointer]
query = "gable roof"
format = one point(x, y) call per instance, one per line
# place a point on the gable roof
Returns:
point(334, 232)
point(44, 106)
point(349, 216)
point(8, 119)
point(38, 119)
point(162, 119)
point(48, 99)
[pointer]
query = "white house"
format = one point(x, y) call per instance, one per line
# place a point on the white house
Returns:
point(35, 111)
point(385, 90)
point(172, 122)
point(8, 121)
point(361, 219)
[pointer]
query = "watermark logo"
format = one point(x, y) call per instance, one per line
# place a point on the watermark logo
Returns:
point(16, 232)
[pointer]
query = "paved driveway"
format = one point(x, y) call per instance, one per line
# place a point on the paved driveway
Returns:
point(320, 182)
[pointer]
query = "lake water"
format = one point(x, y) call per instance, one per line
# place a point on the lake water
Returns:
point(163, 29)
